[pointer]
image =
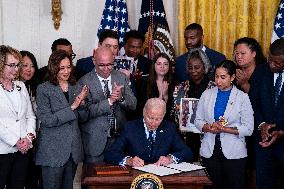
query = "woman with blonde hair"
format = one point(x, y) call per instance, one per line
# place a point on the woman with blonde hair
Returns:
point(17, 121)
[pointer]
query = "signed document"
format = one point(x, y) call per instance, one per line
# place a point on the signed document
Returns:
point(169, 169)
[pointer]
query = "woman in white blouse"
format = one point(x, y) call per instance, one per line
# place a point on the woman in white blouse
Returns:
point(17, 121)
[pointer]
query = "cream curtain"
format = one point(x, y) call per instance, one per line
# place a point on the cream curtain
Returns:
point(224, 21)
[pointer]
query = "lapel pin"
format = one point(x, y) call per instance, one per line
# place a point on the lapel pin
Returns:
point(161, 131)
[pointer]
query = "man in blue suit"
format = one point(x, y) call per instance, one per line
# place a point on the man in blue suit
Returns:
point(267, 97)
point(109, 39)
point(193, 36)
point(149, 140)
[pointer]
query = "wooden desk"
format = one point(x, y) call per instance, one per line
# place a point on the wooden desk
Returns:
point(189, 180)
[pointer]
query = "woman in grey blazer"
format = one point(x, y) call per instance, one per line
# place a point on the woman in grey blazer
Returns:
point(59, 142)
point(225, 115)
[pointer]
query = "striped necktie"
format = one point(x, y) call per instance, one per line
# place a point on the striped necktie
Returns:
point(277, 87)
point(150, 143)
point(111, 116)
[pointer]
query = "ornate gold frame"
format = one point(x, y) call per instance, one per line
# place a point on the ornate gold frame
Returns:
point(56, 12)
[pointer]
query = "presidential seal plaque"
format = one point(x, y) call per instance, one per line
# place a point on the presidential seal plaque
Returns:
point(147, 181)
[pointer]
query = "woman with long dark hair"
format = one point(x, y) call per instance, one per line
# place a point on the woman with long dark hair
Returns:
point(28, 74)
point(59, 142)
point(159, 84)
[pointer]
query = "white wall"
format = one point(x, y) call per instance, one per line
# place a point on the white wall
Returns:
point(28, 24)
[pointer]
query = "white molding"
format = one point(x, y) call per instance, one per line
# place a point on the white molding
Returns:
point(27, 24)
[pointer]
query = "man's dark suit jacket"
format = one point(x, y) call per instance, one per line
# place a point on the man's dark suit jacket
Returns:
point(43, 74)
point(83, 66)
point(181, 69)
point(133, 142)
point(262, 98)
point(144, 64)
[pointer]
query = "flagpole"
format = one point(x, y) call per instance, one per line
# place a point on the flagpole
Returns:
point(153, 25)
point(150, 34)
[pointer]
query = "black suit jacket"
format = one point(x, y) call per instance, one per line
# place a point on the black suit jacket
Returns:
point(83, 66)
point(133, 142)
point(144, 64)
point(262, 98)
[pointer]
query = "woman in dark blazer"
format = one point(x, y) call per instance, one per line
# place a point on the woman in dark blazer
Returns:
point(249, 58)
point(59, 142)
point(247, 55)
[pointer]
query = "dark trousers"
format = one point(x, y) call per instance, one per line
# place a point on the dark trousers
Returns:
point(59, 177)
point(269, 165)
point(13, 170)
point(193, 142)
point(225, 173)
point(34, 179)
point(100, 158)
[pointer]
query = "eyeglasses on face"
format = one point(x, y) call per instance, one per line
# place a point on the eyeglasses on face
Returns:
point(13, 65)
point(105, 65)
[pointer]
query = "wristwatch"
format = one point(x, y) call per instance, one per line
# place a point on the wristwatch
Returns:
point(260, 125)
point(121, 99)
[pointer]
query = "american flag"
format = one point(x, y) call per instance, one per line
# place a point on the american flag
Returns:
point(115, 17)
point(153, 24)
point(278, 30)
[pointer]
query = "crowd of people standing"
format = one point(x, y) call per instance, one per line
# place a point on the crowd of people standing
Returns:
point(54, 117)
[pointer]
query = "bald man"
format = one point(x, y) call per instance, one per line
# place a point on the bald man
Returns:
point(108, 38)
point(109, 97)
point(149, 140)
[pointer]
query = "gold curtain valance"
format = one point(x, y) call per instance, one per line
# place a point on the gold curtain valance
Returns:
point(224, 21)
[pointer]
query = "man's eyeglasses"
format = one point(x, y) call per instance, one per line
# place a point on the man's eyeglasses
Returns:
point(73, 56)
point(105, 65)
point(13, 65)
